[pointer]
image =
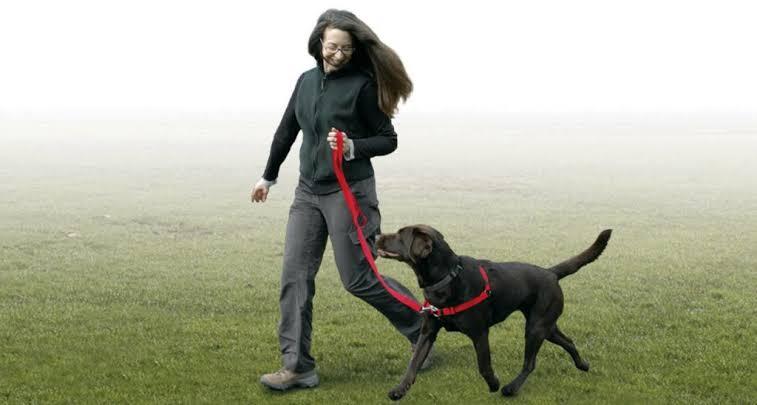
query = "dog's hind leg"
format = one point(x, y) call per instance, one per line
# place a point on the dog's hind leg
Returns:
point(481, 343)
point(535, 335)
point(558, 338)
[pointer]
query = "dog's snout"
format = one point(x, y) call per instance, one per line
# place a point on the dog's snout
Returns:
point(385, 238)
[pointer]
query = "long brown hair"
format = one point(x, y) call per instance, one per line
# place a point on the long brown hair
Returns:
point(371, 55)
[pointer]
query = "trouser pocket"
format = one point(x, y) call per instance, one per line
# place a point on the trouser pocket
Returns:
point(365, 194)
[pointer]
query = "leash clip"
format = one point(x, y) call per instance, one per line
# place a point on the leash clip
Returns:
point(430, 308)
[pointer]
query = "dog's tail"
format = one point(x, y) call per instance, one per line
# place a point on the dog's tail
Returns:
point(572, 265)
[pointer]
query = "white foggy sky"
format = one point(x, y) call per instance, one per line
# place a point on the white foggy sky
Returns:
point(586, 57)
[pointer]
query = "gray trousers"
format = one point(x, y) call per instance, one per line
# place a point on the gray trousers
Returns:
point(313, 218)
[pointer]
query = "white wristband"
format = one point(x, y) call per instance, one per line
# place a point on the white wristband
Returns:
point(351, 150)
point(266, 183)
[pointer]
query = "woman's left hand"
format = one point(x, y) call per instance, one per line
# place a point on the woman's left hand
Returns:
point(332, 140)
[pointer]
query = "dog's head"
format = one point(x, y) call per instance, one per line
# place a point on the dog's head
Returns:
point(423, 248)
point(410, 244)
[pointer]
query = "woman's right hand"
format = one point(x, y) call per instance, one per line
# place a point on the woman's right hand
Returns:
point(260, 191)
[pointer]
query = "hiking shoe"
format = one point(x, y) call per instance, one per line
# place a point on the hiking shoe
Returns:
point(284, 379)
point(429, 359)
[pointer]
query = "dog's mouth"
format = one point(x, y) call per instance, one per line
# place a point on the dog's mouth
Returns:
point(387, 254)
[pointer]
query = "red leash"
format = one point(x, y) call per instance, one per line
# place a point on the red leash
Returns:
point(337, 157)
point(357, 217)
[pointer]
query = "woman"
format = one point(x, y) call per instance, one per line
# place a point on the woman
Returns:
point(355, 88)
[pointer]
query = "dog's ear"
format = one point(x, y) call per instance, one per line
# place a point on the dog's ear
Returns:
point(432, 232)
point(422, 244)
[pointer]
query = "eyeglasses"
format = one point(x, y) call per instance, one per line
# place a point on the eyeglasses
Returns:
point(332, 48)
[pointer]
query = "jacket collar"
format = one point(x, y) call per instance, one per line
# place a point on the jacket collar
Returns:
point(345, 70)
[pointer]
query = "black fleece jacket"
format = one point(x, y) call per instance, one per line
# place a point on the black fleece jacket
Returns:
point(346, 99)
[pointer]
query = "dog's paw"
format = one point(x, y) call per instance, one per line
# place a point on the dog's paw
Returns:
point(397, 393)
point(493, 384)
point(509, 390)
point(583, 366)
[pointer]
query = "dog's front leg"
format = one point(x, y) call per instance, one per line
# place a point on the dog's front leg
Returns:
point(429, 329)
point(483, 355)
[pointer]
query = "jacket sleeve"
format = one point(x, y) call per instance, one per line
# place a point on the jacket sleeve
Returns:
point(383, 139)
point(284, 137)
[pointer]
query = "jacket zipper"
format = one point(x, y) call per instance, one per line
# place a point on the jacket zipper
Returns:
point(315, 119)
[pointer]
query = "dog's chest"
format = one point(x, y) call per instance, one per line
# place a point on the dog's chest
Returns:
point(450, 325)
point(469, 323)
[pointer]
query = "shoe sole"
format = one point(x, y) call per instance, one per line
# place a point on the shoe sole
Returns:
point(307, 382)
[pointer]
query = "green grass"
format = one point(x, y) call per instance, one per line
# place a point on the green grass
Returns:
point(133, 269)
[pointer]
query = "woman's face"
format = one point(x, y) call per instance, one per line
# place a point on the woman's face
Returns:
point(336, 49)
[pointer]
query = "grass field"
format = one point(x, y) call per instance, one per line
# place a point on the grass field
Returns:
point(133, 268)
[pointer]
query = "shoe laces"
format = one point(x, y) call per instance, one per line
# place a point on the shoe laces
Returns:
point(282, 372)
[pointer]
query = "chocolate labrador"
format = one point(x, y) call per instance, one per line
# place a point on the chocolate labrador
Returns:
point(469, 295)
